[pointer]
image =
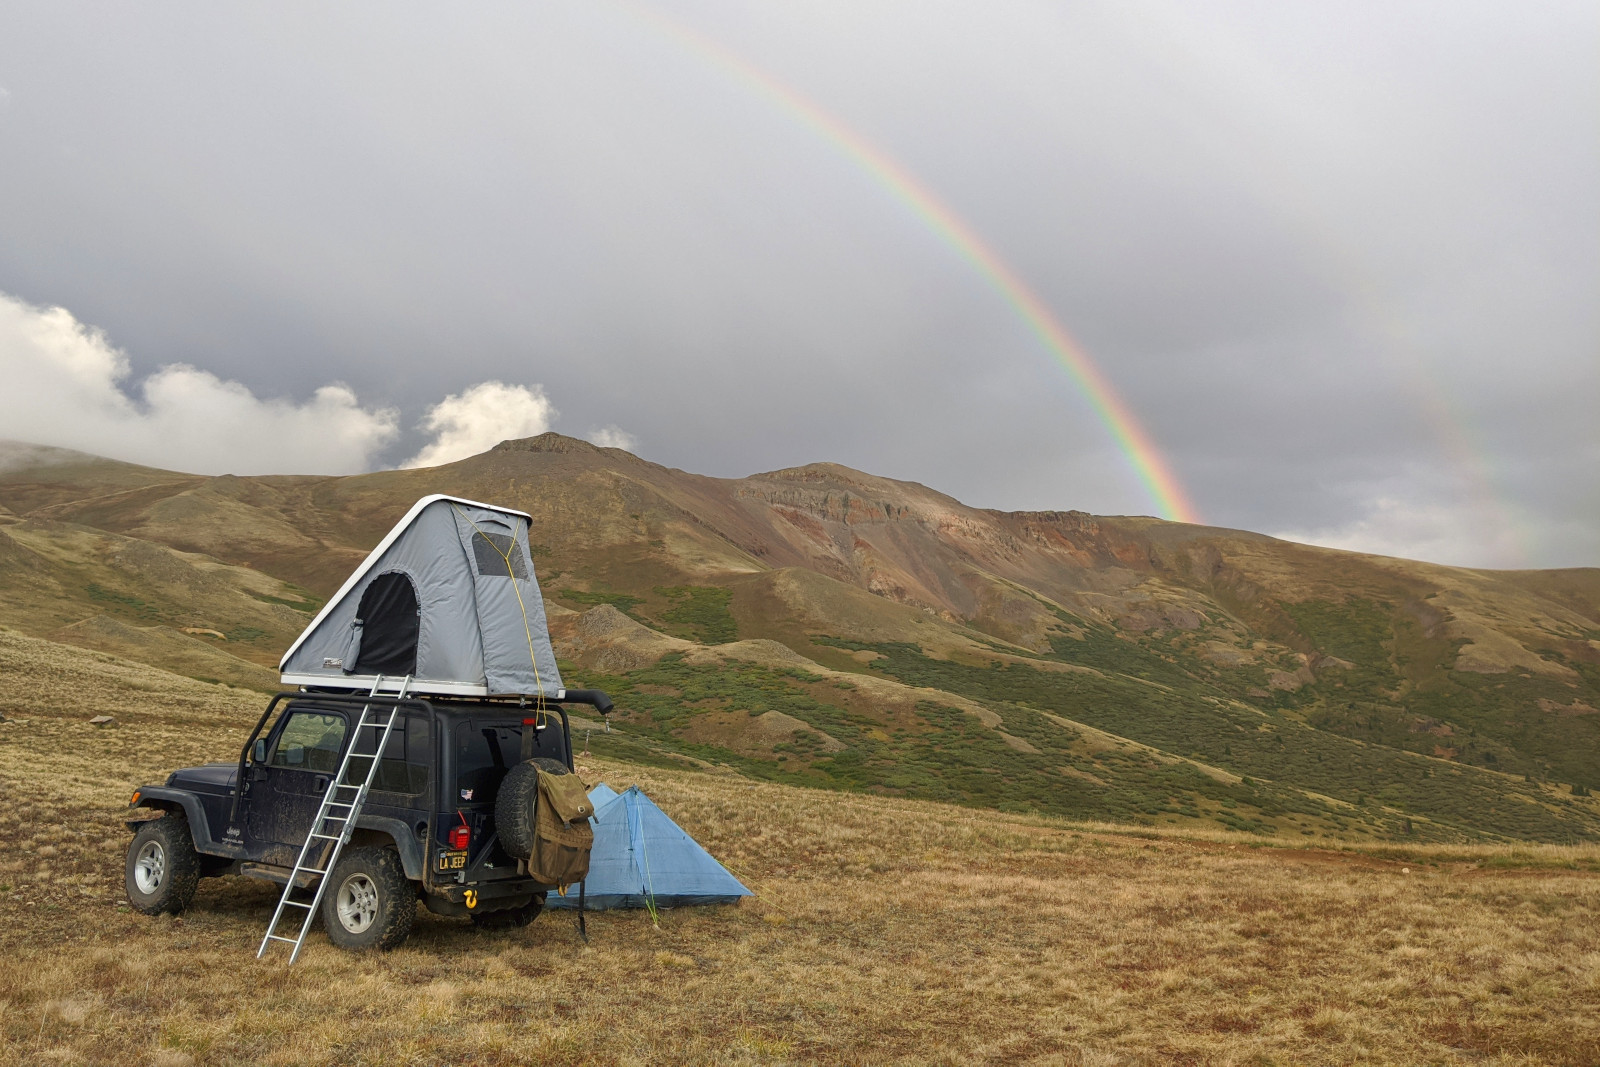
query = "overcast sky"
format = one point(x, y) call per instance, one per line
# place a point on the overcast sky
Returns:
point(1341, 261)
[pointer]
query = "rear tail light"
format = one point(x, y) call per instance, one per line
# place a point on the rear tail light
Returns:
point(460, 836)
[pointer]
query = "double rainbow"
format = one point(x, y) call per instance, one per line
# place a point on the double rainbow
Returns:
point(1155, 474)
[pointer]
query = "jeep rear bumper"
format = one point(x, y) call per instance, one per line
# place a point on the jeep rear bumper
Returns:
point(464, 900)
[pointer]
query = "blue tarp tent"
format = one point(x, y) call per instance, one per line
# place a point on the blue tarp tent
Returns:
point(601, 795)
point(640, 853)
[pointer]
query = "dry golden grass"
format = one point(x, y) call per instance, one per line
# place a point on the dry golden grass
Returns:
point(885, 931)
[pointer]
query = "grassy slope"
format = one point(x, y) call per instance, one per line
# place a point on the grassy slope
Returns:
point(885, 930)
point(1304, 778)
point(1286, 777)
point(1334, 682)
point(189, 613)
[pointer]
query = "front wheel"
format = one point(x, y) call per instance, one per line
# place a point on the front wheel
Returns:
point(369, 903)
point(163, 868)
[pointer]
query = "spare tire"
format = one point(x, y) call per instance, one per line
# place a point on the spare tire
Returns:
point(514, 804)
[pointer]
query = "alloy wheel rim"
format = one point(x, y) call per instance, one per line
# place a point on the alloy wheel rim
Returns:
point(150, 867)
point(357, 903)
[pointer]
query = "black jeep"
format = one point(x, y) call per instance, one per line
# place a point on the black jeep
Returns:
point(431, 827)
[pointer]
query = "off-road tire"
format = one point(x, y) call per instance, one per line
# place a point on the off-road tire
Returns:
point(514, 804)
point(369, 902)
point(162, 869)
point(510, 918)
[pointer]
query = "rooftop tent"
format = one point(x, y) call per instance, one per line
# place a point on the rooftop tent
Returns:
point(449, 597)
point(640, 852)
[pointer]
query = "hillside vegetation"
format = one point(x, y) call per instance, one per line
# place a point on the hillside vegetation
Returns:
point(884, 930)
point(823, 627)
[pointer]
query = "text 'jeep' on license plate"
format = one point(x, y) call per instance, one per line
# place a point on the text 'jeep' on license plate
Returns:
point(452, 861)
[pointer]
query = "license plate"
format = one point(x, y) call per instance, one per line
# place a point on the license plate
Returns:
point(452, 861)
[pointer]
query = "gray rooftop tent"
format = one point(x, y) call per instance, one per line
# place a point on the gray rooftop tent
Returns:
point(448, 597)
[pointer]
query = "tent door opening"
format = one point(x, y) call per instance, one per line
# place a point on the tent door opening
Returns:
point(387, 625)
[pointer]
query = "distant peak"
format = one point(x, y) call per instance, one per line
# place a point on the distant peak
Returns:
point(837, 474)
point(549, 441)
point(19, 455)
point(815, 472)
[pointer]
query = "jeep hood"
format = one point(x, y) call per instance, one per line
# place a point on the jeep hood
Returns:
point(211, 778)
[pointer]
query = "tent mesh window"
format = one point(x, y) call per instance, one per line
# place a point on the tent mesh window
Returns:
point(490, 550)
point(390, 623)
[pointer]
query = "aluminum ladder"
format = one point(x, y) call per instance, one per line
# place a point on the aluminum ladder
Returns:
point(319, 836)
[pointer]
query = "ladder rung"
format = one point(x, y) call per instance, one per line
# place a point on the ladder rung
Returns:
point(296, 904)
point(275, 937)
point(327, 837)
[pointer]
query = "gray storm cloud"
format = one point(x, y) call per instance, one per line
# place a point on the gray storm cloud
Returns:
point(1339, 260)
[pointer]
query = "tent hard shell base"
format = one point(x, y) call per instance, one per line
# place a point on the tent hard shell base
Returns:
point(432, 687)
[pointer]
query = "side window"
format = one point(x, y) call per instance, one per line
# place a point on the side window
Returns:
point(406, 758)
point(310, 741)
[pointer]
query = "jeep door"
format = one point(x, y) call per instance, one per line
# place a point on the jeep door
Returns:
point(302, 759)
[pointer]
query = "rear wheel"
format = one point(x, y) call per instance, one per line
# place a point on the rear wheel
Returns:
point(163, 868)
point(510, 918)
point(369, 903)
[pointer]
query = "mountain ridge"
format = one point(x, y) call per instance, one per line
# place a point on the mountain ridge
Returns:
point(1215, 648)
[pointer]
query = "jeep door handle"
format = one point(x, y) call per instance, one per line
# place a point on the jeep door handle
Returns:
point(322, 783)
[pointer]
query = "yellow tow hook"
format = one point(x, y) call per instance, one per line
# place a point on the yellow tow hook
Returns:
point(472, 898)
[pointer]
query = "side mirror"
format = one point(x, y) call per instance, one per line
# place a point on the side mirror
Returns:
point(258, 753)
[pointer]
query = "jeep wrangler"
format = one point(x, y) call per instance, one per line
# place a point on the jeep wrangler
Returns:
point(434, 826)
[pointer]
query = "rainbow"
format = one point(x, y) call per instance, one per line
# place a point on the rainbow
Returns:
point(1150, 466)
point(1176, 43)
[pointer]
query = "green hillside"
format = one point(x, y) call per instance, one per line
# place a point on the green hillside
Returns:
point(824, 627)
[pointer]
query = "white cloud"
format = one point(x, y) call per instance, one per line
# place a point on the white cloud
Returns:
point(63, 385)
point(478, 418)
point(1437, 531)
point(613, 436)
